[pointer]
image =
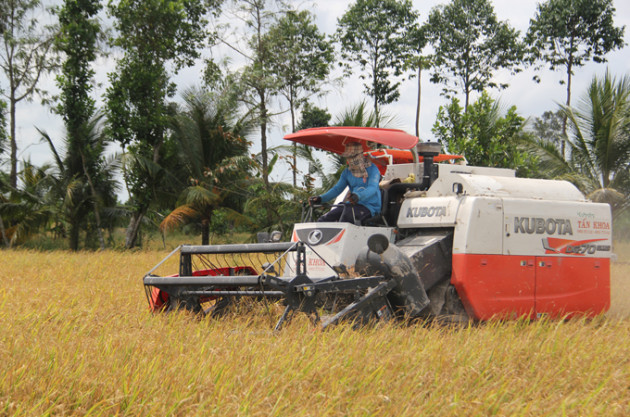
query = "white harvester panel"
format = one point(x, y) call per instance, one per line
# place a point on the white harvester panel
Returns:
point(504, 186)
point(479, 226)
point(502, 214)
point(557, 228)
point(337, 243)
point(428, 212)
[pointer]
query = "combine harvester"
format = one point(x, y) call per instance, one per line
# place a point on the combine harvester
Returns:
point(459, 243)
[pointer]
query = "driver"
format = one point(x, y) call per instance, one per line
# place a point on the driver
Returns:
point(362, 177)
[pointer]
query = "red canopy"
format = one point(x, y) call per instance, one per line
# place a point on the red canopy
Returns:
point(333, 139)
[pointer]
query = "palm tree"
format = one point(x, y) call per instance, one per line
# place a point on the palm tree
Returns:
point(27, 210)
point(360, 115)
point(600, 134)
point(598, 159)
point(84, 179)
point(211, 152)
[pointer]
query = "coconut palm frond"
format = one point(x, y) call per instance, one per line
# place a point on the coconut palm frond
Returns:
point(53, 149)
point(198, 196)
point(180, 216)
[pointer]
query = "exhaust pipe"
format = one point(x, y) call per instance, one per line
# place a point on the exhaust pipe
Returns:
point(381, 258)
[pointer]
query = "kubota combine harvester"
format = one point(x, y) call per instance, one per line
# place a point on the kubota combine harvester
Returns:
point(453, 241)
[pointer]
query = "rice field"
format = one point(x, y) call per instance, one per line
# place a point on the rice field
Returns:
point(76, 338)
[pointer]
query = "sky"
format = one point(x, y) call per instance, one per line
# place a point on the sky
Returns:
point(530, 98)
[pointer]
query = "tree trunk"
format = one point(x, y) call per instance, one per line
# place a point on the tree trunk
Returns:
point(466, 100)
point(263, 138)
point(568, 103)
point(294, 146)
point(73, 237)
point(205, 232)
point(101, 240)
point(3, 233)
point(13, 174)
point(375, 89)
point(131, 234)
point(418, 100)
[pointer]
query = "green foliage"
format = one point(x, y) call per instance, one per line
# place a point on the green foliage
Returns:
point(219, 224)
point(211, 158)
point(30, 209)
point(313, 116)
point(77, 188)
point(416, 63)
point(548, 127)
point(598, 144)
point(484, 136)
point(151, 35)
point(569, 33)
point(360, 115)
point(301, 57)
point(77, 37)
point(257, 82)
point(600, 135)
point(78, 34)
point(154, 35)
point(272, 208)
point(374, 35)
point(170, 30)
point(470, 44)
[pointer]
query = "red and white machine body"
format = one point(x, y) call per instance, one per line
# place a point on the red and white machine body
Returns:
point(504, 246)
point(521, 247)
point(452, 241)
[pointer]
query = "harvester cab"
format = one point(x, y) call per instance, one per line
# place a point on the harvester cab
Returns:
point(452, 241)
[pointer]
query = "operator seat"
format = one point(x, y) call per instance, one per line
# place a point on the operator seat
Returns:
point(380, 219)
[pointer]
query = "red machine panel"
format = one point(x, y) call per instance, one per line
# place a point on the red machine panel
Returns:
point(570, 285)
point(495, 285)
point(502, 286)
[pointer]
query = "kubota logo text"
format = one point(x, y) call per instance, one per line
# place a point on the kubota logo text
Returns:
point(433, 211)
point(540, 226)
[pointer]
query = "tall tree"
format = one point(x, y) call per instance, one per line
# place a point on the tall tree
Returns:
point(548, 127)
point(417, 62)
point(301, 58)
point(568, 33)
point(470, 44)
point(77, 38)
point(373, 34)
point(258, 83)
point(25, 56)
point(484, 135)
point(155, 36)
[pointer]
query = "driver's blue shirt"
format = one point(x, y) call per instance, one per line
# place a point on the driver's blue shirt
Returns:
point(368, 192)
